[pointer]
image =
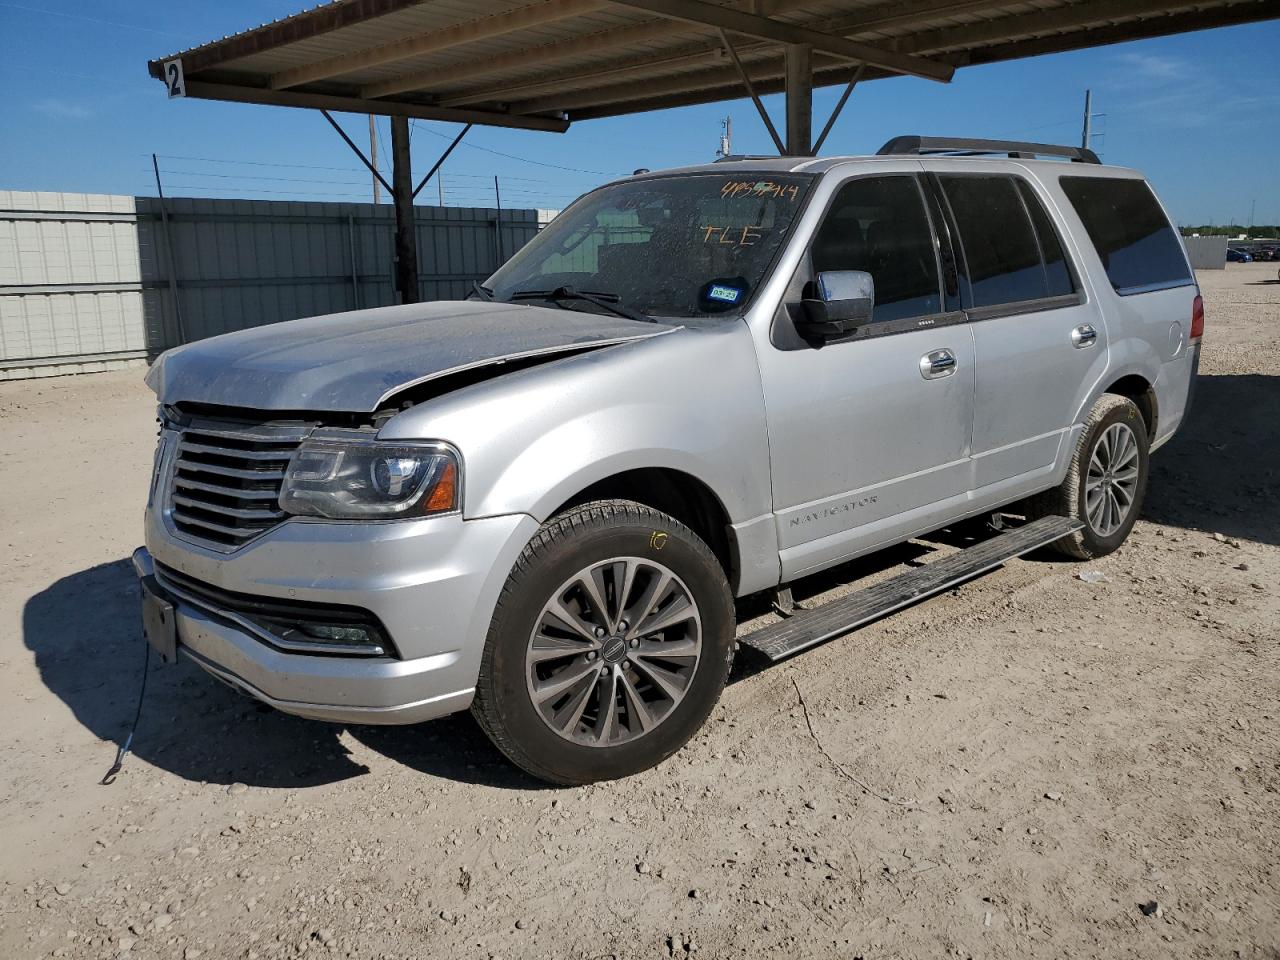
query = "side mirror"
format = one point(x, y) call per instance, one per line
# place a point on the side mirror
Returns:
point(843, 303)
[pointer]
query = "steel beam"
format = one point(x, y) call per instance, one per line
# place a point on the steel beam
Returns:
point(835, 113)
point(995, 46)
point(406, 233)
point(549, 53)
point(751, 25)
point(868, 20)
point(357, 151)
point(432, 41)
point(751, 90)
point(443, 157)
point(799, 66)
point(760, 72)
point(317, 101)
point(303, 26)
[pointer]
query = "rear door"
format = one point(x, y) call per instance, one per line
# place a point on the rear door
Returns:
point(1038, 344)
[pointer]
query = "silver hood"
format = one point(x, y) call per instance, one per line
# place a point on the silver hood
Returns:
point(354, 362)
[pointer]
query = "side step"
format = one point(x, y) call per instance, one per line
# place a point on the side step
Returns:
point(808, 628)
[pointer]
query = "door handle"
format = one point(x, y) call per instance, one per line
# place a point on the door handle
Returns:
point(1084, 336)
point(938, 363)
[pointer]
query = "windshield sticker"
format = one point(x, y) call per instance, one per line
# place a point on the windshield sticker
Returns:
point(733, 236)
point(759, 188)
point(724, 294)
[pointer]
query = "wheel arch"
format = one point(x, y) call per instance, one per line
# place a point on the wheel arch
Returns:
point(1142, 392)
point(681, 495)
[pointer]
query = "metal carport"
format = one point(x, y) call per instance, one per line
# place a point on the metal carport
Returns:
point(545, 65)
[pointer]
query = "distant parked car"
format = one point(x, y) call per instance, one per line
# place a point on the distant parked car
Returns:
point(1238, 256)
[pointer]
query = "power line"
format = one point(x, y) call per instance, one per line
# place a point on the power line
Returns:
point(77, 16)
point(308, 166)
point(512, 156)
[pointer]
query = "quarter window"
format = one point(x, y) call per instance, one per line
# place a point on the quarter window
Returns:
point(1001, 254)
point(879, 225)
point(1132, 235)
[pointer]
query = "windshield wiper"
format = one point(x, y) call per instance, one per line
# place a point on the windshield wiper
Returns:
point(481, 291)
point(609, 301)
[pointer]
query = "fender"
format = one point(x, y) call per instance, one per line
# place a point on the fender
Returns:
point(530, 441)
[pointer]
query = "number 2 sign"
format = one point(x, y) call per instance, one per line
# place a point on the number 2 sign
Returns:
point(173, 78)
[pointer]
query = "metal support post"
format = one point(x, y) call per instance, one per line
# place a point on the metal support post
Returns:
point(799, 68)
point(402, 191)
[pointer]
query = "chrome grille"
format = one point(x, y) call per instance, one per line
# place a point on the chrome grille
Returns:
point(225, 483)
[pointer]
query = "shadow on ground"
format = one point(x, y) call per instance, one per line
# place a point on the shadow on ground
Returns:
point(1221, 471)
point(84, 633)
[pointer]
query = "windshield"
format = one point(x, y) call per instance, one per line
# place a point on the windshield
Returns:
point(682, 246)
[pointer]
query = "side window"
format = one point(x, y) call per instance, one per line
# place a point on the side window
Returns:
point(1132, 235)
point(878, 224)
point(1001, 254)
point(1056, 272)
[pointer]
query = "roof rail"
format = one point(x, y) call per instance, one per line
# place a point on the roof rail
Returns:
point(740, 157)
point(965, 147)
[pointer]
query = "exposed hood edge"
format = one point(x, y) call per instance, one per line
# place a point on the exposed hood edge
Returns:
point(511, 358)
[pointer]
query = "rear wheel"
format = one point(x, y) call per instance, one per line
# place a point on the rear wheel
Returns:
point(1106, 482)
point(609, 646)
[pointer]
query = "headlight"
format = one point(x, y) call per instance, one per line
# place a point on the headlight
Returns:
point(365, 479)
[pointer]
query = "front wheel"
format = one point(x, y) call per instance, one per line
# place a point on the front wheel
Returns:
point(1106, 482)
point(609, 645)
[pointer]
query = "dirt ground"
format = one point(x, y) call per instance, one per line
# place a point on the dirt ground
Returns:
point(1009, 770)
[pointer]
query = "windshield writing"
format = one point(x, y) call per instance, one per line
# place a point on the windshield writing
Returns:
point(683, 246)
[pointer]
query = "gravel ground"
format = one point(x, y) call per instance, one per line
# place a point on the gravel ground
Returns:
point(1010, 770)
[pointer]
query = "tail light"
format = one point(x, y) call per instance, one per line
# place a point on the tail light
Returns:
point(1197, 318)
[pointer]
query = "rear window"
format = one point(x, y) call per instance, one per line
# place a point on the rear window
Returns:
point(1001, 252)
point(1133, 237)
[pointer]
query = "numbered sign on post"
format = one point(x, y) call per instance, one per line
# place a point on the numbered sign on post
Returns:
point(173, 78)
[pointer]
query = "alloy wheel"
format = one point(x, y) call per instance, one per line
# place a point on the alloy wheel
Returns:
point(1112, 481)
point(614, 651)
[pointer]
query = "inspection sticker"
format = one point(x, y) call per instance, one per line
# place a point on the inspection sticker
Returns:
point(724, 294)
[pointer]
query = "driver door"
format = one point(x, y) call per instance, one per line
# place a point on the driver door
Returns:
point(870, 433)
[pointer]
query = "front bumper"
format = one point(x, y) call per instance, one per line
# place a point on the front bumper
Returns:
point(431, 583)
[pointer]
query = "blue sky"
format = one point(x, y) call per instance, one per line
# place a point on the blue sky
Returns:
point(1199, 113)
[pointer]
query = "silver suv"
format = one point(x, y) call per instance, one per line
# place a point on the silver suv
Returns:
point(694, 385)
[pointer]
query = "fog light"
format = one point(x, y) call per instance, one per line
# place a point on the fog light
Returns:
point(350, 639)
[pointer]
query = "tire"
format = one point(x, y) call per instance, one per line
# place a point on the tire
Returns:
point(1112, 417)
point(548, 712)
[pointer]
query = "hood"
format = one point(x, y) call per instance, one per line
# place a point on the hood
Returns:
point(354, 362)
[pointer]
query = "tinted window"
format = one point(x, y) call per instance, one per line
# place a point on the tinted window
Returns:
point(878, 224)
point(1001, 254)
point(1056, 272)
point(1133, 237)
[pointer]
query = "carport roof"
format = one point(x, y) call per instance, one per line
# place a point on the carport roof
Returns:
point(541, 65)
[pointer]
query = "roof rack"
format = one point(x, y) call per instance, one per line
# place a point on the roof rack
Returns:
point(740, 157)
point(965, 147)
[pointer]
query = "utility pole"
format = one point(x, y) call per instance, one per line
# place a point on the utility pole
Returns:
point(373, 155)
point(440, 184)
point(1088, 119)
point(726, 138)
point(402, 188)
point(497, 199)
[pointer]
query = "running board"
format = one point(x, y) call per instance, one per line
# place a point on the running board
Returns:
point(807, 628)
